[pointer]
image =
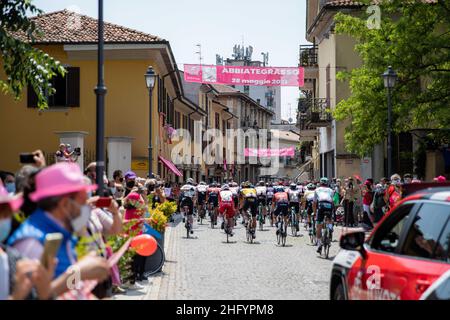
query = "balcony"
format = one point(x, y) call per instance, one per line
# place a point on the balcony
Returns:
point(308, 60)
point(313, 113)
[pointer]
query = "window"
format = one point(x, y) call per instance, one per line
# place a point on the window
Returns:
point(387, 238)
point(442, 251)
point(328, 85)
point(67, 91)
point(224, 127)
point(217, 121)
point(424, 236)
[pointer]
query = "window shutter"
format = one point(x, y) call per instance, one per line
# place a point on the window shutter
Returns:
point(32, 99)
point(73, 87)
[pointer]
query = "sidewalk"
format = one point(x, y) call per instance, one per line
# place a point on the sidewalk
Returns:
point(152, 286)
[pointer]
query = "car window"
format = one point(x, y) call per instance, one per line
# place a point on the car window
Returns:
point(424, 236)
point(442, 250)
point(387, 237)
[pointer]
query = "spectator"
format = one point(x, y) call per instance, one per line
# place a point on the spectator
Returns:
point(168, 191)
point(378, 202)
point(349, 199)
point(135, 210)
point(8, 181)
point(130, 182)
point(91, 172)
point(407, 178)
point(367, 201)
point(393, 194)
point(61, 196)
point(19, 278)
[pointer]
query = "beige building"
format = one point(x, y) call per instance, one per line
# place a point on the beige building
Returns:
point(228, 108)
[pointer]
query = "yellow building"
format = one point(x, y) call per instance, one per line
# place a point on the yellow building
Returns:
point(71, 116)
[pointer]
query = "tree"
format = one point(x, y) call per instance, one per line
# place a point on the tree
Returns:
point(22, 63)
point(414, 38)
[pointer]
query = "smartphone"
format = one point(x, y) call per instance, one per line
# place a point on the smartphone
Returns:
point(103, 202)
point(51, 247)
point(27, 158)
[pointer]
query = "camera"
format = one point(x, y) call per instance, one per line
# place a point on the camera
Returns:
point(77, 151)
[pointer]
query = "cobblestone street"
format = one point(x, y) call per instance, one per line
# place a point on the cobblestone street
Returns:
point(206, 267)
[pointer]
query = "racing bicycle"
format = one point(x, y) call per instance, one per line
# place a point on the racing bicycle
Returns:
point(293, 221)
point(261, 217)
point(188, 223)
point(249, 227)
point(281, 231)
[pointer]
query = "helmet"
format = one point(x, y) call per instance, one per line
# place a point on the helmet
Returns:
point(202, 183)
point(293, 186)
point(261, 183)
point(225, 187)
point(278, 189)
point(270, 184)
point(190, 181)
point(311, 186)
point(324, 180)
point(246, 184)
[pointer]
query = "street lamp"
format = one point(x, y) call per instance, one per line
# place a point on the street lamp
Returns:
point(150, 83)
point(100, 92)
point(389, 77)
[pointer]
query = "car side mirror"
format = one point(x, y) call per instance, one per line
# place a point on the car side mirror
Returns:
point(354, 241)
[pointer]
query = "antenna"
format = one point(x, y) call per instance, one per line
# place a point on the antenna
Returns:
point(199, 52)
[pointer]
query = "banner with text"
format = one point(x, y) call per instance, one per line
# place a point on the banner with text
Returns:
point(244, 75)
point(284, 152)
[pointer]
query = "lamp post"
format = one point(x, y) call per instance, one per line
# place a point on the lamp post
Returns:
point(100, 92)
point(389, 77)
point(150, 83)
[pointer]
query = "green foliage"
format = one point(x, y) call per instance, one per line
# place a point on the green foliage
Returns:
point(22, 63)
point(167, 208)
point(414, 39)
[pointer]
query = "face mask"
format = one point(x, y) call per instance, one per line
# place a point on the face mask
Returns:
point(130, 184)
point(89, 194)
point(113, 190)
point(5, 228)
point(10, 187)
point(81, 221)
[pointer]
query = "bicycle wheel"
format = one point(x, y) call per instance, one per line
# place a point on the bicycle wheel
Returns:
point(155, 262)
point(187, 229)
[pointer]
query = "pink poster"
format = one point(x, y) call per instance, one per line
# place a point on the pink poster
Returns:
point(284, 152)
point(245, 75)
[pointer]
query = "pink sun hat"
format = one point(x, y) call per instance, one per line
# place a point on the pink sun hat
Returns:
point(440, 179)
point(15, 202)
point(58, 179)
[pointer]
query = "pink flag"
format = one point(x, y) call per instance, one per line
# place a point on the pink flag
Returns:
point(284, 152)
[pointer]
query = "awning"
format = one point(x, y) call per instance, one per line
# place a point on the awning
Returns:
point(169, 165)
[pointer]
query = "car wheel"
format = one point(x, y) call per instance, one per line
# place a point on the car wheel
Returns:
point(339, 292)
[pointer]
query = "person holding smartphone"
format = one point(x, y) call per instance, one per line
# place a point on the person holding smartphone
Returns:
point(18, 276)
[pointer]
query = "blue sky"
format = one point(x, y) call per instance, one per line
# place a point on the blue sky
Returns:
point(277, 27)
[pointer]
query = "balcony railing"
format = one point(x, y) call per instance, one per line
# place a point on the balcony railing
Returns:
point(314, 113)
point(308, 56)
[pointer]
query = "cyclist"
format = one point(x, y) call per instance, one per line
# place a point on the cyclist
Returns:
point(261, 192)
point(202, 188)
point(226, 206)
point(248, 197)
point(213, 200)
point(269, 195)
point(280, 204)
point(323, 208)
point(234, 188)
point(294, 201)
point(307, 201)
point(187, 197)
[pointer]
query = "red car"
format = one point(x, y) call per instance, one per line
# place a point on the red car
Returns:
point(402, 257)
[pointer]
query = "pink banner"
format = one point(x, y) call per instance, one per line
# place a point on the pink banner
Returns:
point(245, 75)
point(284, 152)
